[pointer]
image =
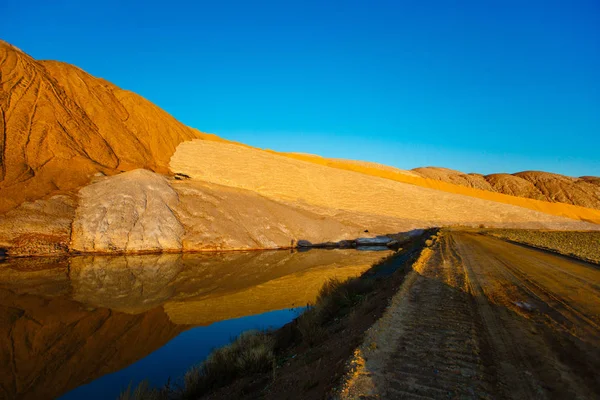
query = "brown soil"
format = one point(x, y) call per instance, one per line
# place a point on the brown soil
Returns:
point(483, 318)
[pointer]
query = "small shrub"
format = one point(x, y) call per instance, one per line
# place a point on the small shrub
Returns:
point(143, 391)
point(310, 326)
point(193, 382)
point(252, 352)
point(332, 297)
point(334, 300)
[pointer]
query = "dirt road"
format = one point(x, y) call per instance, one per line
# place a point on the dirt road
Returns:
point(482, 318)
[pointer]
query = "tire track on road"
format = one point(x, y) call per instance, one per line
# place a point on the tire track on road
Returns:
point(454, 331)
point(542, 362)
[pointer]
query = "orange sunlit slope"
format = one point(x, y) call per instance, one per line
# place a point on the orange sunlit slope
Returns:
point(559, 209)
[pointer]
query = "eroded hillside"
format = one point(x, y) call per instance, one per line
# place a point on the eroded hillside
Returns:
point(89, 167)
point(59, 126)
point(584, 191)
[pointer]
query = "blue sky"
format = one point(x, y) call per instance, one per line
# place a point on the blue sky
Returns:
point(480, 85)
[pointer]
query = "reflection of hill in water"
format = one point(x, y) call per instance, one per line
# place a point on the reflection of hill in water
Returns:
point(65, 322)
point(51, 345)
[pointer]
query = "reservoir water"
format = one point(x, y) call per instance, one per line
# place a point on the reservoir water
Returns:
point(86, 327)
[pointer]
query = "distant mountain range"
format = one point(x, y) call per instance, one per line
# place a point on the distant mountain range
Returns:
point(583, 191)
point(87, 166)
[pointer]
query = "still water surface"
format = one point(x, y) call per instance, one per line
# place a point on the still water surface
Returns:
point(87, 326)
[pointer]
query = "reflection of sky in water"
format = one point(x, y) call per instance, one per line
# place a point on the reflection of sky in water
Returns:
point(177, 356)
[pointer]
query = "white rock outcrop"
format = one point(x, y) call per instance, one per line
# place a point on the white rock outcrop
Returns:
point(129, 212)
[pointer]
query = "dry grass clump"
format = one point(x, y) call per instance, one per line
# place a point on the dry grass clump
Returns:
point(144, 392)
point(252, 352)
point(335, 300)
